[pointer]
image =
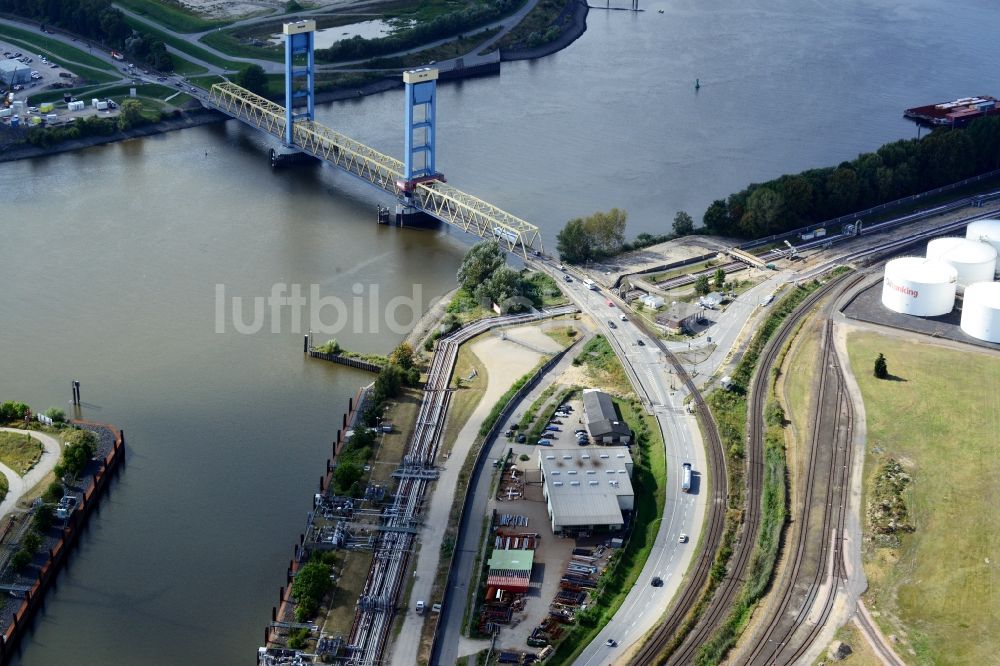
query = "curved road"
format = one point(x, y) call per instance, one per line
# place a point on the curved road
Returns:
point(20, 485)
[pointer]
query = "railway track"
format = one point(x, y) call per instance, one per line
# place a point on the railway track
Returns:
point(830, 457)
point(743, 549)
point(377, 604)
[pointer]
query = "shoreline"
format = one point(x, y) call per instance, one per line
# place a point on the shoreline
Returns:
point(201, 116)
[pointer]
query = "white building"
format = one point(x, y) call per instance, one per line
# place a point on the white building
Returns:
point(587, 489)
point(652, 301)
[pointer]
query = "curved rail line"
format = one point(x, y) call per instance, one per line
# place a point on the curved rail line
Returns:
point(771, 644)
point(743, 549)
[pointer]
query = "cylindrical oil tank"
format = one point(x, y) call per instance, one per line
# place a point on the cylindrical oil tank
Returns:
point(981, 311)
point(987, 231)
point(975, 261)
point(918, 286)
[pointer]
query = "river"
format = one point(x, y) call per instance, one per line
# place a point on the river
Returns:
point(111, 261)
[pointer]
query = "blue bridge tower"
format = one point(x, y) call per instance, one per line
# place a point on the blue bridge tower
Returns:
point(421, 130)
point(299, 40)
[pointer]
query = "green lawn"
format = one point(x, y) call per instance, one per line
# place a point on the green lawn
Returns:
point(184, 46)
point(148, 90)
point(171, 15)
point(36, 44)
point(227, 42)
point(19, 451)
point(939, 592)
point(603, 366)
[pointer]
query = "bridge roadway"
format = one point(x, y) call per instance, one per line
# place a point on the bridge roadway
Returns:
point(436, 198)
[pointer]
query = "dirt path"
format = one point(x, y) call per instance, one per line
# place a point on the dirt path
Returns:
point(20, 485)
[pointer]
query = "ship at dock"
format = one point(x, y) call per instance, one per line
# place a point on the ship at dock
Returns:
point(958, 113)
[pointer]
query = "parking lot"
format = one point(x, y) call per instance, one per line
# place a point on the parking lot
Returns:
point(45, 72)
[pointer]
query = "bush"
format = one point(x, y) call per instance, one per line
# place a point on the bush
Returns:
point(297, 638)
point(311, 584)
point(20, 560)
point(80, 447)
point(42, 520)
point(13, 411)
point(53, 493)
point(56, 414)
point(32, 541)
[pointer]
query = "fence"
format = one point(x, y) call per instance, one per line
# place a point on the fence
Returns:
point(345, 360)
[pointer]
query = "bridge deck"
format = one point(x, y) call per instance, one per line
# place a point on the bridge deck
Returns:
point(442, 201)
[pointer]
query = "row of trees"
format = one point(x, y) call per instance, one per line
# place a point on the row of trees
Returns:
point(447, 25)
point(895, 170)
point(98, 20)
point(485, 275)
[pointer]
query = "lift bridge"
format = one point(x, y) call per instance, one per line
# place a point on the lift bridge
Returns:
point(415, 183)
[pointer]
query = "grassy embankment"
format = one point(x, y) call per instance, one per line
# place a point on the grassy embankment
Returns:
point(184, 46)
point(19, 452)
point(173, 15)
point(938, 590)
point(537, 28)
point(648, 474)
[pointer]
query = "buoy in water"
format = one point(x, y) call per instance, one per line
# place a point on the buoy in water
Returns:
point(697, 84)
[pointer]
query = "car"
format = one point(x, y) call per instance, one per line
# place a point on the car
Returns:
point(522, 438)
point(567, 278)
point(581, 431)
point(565, 408)
point(515, 426)
point(623, 317)
point(683, 538)
point(639, 342)
point(161, 79)
point(509, 433)
point(544, 442)
point(32, 109)
point(53, 66)
point(553, 428)
point(612, 324)
point(193, 89)
point(562, 268)
point(420, 608)
point(656, 582)
point(611, 642)
point(610, 304)
point(18, 88)
point(555, 422)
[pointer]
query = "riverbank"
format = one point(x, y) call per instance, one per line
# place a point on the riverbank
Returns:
point(575, 27)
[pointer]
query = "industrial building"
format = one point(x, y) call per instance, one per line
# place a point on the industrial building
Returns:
point(679, 317)
point(587, 489)
point(918, 286)
point(510, 570)
point(13, 72)
point(603, 422)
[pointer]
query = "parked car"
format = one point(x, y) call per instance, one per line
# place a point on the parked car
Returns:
point(553, 428)
point(555, 422)
point(521, 439)
point(565, 408)
point(544, 442)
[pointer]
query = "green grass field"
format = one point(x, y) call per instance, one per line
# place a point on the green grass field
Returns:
point(35, 44)
point(171, 15)
point(184, 46)
point(940, 591)
point(229, 43)
point(19, 451)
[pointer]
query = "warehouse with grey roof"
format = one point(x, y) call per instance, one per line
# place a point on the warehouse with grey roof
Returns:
point(603, 422)
point(587, 489)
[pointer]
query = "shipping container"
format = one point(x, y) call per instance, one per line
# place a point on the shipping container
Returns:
point(46, 107)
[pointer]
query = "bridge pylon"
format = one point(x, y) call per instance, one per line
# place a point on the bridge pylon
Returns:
point(300, 38)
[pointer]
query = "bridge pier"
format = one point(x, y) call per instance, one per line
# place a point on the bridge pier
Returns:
point(288, 159)
point(409, 216)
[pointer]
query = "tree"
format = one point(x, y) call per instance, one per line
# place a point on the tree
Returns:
point(292, 6)
point(129, 114)
point(683, 224)
point(80, 447)
point(701, 285)
point(480, 262)
point(31, 542)
point(312, 581)
point(574, 243)
point(502, 288)
point(345, 476)
point(607, 231)
point(20, 559)
point(388, 383)
point(42, 520)
point(402, 356)
point(720, 278)
point(253, 78)
point(881, 367)
point(13, 411)
point(53, 493)
point(716, 218)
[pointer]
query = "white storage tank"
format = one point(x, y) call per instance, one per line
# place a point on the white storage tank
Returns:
point(975, 261)
point(986, 231)
point(981, 311)
point(918, 286)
